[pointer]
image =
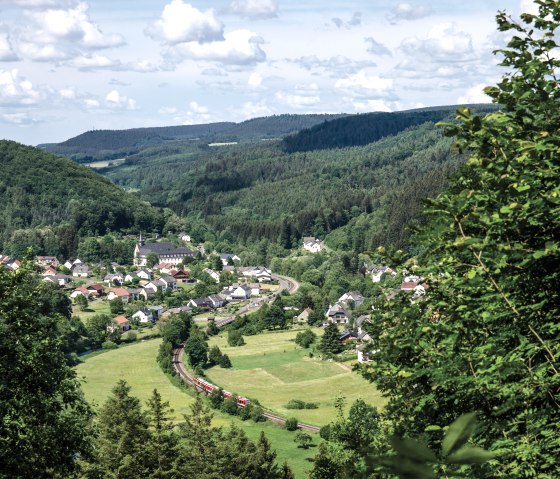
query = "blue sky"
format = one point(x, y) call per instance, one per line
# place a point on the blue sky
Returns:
point(68, 66)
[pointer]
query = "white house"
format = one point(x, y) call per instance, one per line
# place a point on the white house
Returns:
point(337, 314)
point(214, 274)
point(165, 251)
point(144, 315)
point(185, 237)
point(377, 272)
point(312, 244)
point(354, 296)
point(226, 257)
point(144, 274)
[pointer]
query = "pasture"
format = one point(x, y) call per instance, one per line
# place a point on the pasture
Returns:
point(137, 365)
point(273, 369)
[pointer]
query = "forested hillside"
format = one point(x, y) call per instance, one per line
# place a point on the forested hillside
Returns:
point(50, 202)
point(256, 190)
point(111, 144)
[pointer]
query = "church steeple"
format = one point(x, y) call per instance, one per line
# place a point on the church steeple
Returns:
point(141, 240)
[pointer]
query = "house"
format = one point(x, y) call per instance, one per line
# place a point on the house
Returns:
point(347, 335)
point(255, 289)
point(408, 286)
point(144, 274)
point(81, 291)
point(365, 353)
point(242, 291)
point(121, 293)
point(304, 315)
point(359, 327)
point(200, 303)
point(131, 277)
point(114, 279)
point(214, 274)
point(50, 271)
point(377, 272)
point(144, 315)
point(166, 252)
point(181, 276)
point(147, 294)
point(217, 300)
point(185, 237)
point(312, 244)
point(337, 314)
point(96, 289)
point(156, 285)
point(353, 296)
point(181, 309)
point(158, 310)
point(170, 282)
point(68, 264)
point(47, 261)
point(227, 258)
point(200, 248)
point(166, 268)
point(80, 270)
point(135, 294)
point(261, 273)
point(60, 279)
point(122, 323)
point(9, 263)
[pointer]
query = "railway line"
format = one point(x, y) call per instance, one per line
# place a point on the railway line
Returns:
point(188, 379)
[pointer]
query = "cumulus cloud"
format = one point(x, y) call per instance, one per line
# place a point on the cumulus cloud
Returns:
point(196, 114)
point(181, 22)
point(409, 11)
point(376, 48)
point(443, 43)
point(240, 47)
point(71, 25)
point(303, 96)
point(15, 90)
point(7, 53)
point(254, 110)
point(363, 106)
point(337, 64)
point(475, 94)
point(91, 103)
point(114, 99)
point(254, 9)
point(43, 3)
point(362, 85)
point(95, 62)
point(255, 79)
point(19, 118)
point(355, 21)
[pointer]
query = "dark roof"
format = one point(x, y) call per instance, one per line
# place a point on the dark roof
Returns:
point(163, 248)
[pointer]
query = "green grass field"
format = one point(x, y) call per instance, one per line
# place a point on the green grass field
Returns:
point(98, 306)
point(273, 369)
point(137, 365)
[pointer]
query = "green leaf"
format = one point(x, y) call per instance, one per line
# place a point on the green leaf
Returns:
point(412, 449)
point(470, 455)
point(458, 433)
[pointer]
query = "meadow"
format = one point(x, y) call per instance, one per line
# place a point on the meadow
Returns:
point(137, 365)
point(270, 367)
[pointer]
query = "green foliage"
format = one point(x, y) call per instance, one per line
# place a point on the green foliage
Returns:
point(216, 398)
point(291, 424)
point(303, 440)
point(225, 362)
point(257, 414)
point(82, 302)
point(215, 355)
point(299, 404)
point(197, 350)
point(101, 328)
point(116, 306)
point(45, 420)
point(212, 329)
point(229, 406)
point(165, 357)
point(176, 329)
point(235, 338)
point(330, 344)
point(485, 337)
point(305, 338)
point(109, 345)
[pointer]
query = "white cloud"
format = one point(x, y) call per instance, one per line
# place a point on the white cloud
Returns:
point(376, 48)
point(297, 101)
point(67, 93)
point(255, 79)
point(355, 21)
point(254, 9)
point(115, 100)
point(529, 6)
point(443, 43)
point(19, 118)
point(42, 53)
point(73, 25)
point(240, 47)
point(91, 103)
point(254, 110)
point(167, 110)
point(181, 22)
point(362, 83)
point(475, 94)
point(196, 108)
point(409, 11)
point(337, 64)
point(95, 62)
point(362, 106)
point(7, 53)
point(16, 91)
point(42, 3)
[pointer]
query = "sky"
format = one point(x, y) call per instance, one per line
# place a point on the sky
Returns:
point(69, 66)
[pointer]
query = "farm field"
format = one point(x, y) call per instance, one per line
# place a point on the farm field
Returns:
point(137, 365)
point(273, 369)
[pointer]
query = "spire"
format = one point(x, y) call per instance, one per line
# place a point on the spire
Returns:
point(140, 241)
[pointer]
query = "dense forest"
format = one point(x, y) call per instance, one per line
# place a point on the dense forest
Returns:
point(49, 202)
point(111, 144)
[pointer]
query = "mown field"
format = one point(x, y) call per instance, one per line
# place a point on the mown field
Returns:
point(137, 365)
point(273, 369)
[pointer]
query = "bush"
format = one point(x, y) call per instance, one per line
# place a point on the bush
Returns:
point(305, 338)
point(235, 339)
point(244, 413)
point(311, 405)
point(225, 361)
point(215, 355)
point(257, 414)
point(130, 336)
point(303, 439)
point(291, 424)
point(325, 432)
point(229, 406)
point(109, 345)
point(295, 404)
point(216, 398)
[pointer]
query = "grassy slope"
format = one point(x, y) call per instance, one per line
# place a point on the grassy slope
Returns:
point(273, 369)
point(136, 364)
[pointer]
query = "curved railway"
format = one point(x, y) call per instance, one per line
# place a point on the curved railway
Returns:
point(188, 379)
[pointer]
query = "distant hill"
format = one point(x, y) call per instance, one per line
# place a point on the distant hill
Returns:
point(358, 130)
point(48, 202)
point(111, 144)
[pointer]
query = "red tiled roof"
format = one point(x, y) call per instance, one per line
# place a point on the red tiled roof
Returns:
point(120, 319)
point(120, 292)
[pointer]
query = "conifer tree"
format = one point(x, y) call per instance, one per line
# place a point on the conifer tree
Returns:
point(330, 342)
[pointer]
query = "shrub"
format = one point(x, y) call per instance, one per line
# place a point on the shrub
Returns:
point(257, 414)
point(311, 405)
point(305, 338)
point(229, 405)
point(225, 361)
point(295, 404)
point(244, 413)
point(303, 439)
point(291, 424)
point(130, 336)
point(109, 345)
point(235, 339)
point(216, 398)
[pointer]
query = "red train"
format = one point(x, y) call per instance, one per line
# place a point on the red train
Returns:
point(209, 387)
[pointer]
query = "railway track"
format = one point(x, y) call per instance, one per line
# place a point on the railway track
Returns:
point(188, 379)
